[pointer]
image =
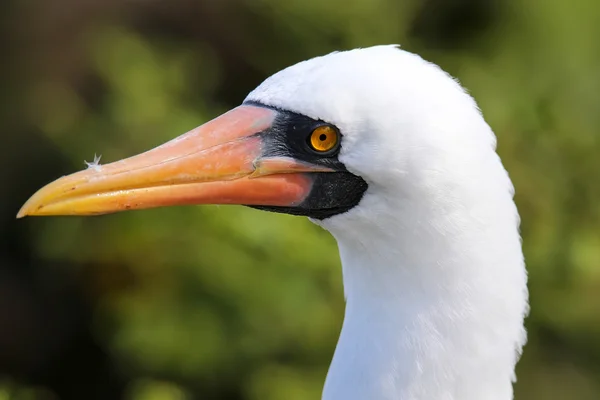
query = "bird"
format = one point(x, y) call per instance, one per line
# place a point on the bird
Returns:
point(391, 155)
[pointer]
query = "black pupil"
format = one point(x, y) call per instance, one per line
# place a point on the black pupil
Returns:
point(322, 137)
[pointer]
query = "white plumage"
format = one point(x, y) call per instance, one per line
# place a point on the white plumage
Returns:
point(433, 269)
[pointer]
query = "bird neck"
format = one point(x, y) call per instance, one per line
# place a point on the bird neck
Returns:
point(437, 314)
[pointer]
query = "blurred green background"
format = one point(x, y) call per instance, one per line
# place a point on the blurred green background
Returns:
point(232, 303)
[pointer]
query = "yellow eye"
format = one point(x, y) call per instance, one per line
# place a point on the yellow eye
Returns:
point(323, 139)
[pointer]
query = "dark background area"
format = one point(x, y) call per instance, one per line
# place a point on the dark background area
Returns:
point(227, 302)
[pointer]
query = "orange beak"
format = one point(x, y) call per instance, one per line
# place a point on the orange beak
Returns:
point(220, 162)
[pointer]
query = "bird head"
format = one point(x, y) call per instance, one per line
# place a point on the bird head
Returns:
point(316, 139)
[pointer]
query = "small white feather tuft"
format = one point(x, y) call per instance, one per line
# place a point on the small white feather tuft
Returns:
point(95, 165)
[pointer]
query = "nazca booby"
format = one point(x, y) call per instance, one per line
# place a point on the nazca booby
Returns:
point(389, 154)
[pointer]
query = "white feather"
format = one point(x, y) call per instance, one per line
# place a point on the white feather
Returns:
point(95, 165)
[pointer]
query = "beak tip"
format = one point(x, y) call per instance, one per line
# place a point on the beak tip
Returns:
point(31, 206)
point(25, 210)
